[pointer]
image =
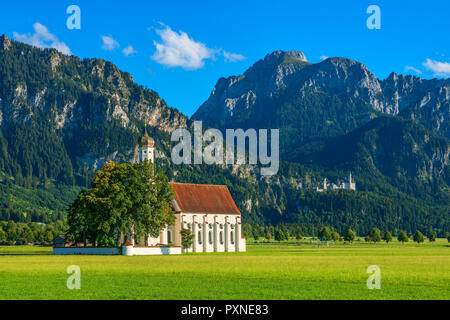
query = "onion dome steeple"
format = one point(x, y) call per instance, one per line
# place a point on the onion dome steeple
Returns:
point(146, 140)
point(146, 148)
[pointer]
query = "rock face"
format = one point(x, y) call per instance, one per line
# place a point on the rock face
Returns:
point(285, 82)
point(389, 146)
point(427, 101)
point(5, 42)
point(89, 108)
point(236, 95)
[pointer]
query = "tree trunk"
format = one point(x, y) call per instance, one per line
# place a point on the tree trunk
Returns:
point(84, 239)
point(119, 239)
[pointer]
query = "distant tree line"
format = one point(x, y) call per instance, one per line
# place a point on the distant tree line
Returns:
point(12, 233)
point(11, 214)
point(326, 233)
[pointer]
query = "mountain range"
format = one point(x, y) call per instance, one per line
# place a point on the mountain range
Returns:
point(62, 117)
point(338, 110)
point(336, 95)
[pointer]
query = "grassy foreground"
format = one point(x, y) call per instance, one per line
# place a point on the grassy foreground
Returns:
point(270, 271)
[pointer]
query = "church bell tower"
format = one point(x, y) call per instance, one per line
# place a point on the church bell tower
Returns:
point(146, 148)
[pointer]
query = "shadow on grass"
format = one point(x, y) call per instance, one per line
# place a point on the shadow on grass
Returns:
point(25, 253)
point(25, 250)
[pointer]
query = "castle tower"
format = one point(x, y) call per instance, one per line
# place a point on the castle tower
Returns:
point(146, 148)
point(351, 183)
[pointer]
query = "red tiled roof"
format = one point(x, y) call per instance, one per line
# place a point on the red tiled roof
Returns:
point(204, 198)
point(127, 243)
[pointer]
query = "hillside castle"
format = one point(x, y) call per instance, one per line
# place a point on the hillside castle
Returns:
point(350, 185)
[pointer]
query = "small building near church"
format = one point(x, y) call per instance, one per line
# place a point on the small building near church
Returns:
point(59, 242)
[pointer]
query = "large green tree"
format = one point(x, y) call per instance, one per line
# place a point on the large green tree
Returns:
point(388, 236)
point(325, 234)
point(279, 235)
point(433, 236)
point(402, 237)
point(350, 235)
point(125, 199)
point(335, 236)
point(375, 235)
point(418, 237)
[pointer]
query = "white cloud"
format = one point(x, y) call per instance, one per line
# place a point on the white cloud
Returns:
point(109, 44)
point(323, 57)
point(42, 38)
point(232, 57)
point(129, 51)
point(177, 49)
point(439, 68)
point(411, 68)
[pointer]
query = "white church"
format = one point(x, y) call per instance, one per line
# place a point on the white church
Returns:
point(209, 211)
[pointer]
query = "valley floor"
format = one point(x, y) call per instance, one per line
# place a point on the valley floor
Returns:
point(265, 271)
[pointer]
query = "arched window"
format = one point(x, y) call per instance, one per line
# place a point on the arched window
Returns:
point(169, 236)
point(210, 237)
point(221, 237)
point(199, 237)
point(232, 237)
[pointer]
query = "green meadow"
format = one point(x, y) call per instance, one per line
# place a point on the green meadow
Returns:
point(265, 271)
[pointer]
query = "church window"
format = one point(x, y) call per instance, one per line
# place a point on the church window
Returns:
point(210, 237)
point(232, 237)
point(169, 238)
point(221, 237)
point(199, 237)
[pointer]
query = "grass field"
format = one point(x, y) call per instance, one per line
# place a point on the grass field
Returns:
point(269, 271)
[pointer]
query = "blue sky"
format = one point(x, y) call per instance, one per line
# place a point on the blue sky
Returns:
point(181, 48)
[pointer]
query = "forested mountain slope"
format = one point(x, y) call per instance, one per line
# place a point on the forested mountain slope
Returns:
point(61, 118)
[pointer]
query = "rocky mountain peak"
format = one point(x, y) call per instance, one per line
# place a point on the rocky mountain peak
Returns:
point(280, 56)
point(276, 60)
point(393, 77)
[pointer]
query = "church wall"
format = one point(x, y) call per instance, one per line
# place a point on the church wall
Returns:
point(153, 241)
point(225, 232)
point(217, 233)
